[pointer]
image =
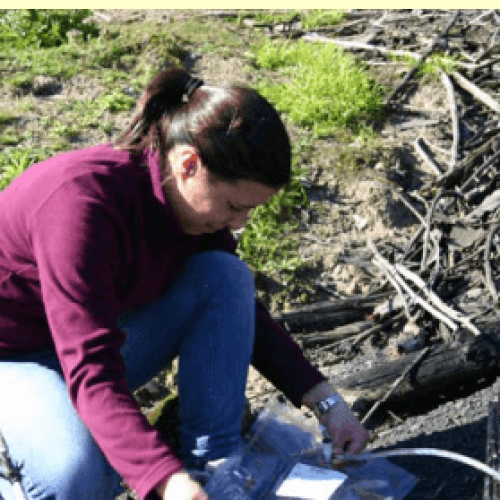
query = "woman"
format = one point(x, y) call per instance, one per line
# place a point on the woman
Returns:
point(118, 258)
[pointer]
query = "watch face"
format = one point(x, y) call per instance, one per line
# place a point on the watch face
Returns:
point(326, 404)
point(323, 406)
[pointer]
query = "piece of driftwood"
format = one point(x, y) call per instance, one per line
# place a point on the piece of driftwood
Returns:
point(454, 116)
point(452, 177)
point(340, 333)
point(476, 92)
point(456, 315)
point(329, 314)
point(314, 321)
point(358, 338)
point(421, 149)
point(491, 489)
point(446, 366)
point(349, 45)
point(416, 124)
point(490, 284)
point(400, 284)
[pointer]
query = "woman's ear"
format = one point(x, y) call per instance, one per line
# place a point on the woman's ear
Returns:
point(189, 161)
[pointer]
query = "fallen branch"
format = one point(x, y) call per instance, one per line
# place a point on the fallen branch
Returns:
point(419, 146)
point(452, 176)
point(394, 386)
point(360, 46)
point(482, 16)
point(457, 316)
point(416, 124)
point(102, 16)
point(454, 117)
point(424, 56)
point(340, 333)
point(490, 284)
point(430, 215)
point(479, 94)
point(379, 260)
point(361, 337)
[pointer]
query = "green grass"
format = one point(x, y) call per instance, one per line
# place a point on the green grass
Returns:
point(316, 18)
point(271, 17)
point(308, 18)
point(14, 161)
point(10, 139)
point(319, 88)
point(435, 62)
point(432, 64)
point(42, 28)
point(327, 90)
point(262, 244)
point(7, 117)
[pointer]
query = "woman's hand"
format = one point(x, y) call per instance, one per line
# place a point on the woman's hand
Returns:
point(347, 434)
point(181, 486)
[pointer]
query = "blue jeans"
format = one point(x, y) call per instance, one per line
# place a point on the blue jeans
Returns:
point(207, 318)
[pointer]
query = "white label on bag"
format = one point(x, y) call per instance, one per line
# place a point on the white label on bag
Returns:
point(310, 483)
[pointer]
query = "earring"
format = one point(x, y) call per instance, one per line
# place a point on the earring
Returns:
point(189, 170)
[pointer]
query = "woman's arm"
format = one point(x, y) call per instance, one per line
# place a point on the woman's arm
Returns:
point(341, 424)
point(317, 393)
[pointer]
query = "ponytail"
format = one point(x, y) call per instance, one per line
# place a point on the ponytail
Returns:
point(237, 133)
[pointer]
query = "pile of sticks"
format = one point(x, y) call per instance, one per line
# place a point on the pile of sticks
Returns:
point(439, 291)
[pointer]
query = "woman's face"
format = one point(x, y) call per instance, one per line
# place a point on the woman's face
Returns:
point(205, 205)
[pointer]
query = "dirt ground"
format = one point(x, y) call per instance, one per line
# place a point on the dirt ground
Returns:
point(347, 207)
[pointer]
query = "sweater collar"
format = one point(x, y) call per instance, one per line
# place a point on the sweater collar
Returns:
point(151, 159)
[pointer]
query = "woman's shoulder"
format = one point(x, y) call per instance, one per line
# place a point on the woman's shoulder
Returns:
point(100, 154)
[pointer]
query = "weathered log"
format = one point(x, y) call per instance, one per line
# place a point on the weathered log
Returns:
point(446, 366)
point(492, 488)
point(395, 385)
point(311, 322)
point(327, 315)
point(342, 332)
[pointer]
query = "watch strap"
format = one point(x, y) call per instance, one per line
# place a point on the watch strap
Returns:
point(325, 405)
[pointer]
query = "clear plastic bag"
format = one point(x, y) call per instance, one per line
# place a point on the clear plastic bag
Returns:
point(285, 458)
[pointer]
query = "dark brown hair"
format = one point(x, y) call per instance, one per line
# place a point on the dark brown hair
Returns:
point(237, 132)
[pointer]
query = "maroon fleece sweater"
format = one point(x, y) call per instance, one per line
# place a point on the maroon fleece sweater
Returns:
point(84, 237)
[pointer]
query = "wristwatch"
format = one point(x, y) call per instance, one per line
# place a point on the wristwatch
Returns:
point(325, 405)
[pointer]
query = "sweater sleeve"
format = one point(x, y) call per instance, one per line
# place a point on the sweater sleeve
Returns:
point(276, 356)
point(77, 240)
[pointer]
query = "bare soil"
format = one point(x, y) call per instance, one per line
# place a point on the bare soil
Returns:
point(352, 192)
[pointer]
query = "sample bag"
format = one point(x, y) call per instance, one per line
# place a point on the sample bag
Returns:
point(285, 458)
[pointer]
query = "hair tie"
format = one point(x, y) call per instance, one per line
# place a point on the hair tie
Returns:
point(192, 84)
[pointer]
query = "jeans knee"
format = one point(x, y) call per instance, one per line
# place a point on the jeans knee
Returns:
point(82, 471)
point(227, 270)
